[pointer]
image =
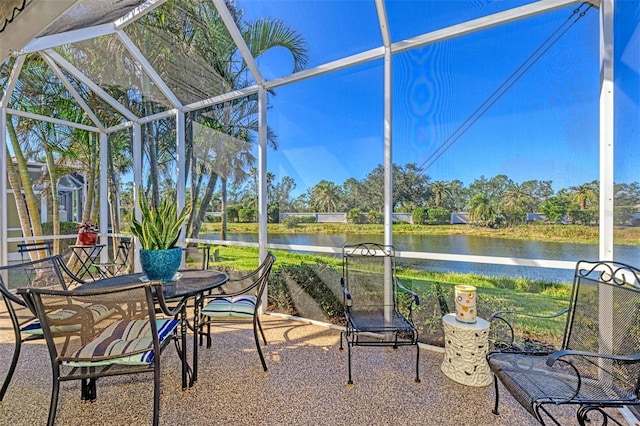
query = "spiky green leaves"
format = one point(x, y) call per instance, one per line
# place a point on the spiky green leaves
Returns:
point(160, 226)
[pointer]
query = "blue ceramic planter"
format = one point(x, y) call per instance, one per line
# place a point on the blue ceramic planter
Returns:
point(161, 265)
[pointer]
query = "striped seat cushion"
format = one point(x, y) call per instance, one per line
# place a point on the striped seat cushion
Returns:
point(122, 338)
point(99, 312)
point(238, 306)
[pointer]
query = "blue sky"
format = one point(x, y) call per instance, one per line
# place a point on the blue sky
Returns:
point(544, 127)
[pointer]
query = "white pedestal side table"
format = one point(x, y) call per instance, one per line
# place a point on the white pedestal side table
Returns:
point(465, 351)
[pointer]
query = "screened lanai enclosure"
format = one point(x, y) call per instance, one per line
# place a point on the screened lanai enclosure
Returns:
point(388, 112)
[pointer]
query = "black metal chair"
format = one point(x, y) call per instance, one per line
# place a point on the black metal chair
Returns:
point(597, 365)
point(120, 263)
point(241, 298)
point(129, 341)
point(37, 249)
point(372, 295)
point(199, 254)
point(51, 273)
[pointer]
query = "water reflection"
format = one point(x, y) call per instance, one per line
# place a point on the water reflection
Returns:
point(466, 245)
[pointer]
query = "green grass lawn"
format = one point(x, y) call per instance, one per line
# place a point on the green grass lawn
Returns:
point(494, 293)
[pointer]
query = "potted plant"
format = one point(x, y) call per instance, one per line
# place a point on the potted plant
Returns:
point(158, 232)
point(87, 234)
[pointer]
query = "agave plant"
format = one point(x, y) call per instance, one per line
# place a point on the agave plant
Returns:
point(160, 226)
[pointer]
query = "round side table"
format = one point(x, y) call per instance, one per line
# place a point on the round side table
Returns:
point(465, 351)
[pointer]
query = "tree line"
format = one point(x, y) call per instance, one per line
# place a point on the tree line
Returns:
point(496, 201)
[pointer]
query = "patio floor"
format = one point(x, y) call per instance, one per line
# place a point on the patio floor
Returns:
point(305, 385)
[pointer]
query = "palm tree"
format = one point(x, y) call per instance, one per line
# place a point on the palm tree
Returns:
point(36, 91)
point(440, 189)
point(238, 118)
point(325, 196)
point(584, 194)
point(480, 209)
point(233, 157)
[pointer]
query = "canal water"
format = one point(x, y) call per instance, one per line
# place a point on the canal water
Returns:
point(465, 245)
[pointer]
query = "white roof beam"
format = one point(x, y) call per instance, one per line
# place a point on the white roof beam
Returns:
point(425, 39)
point(11, 83)
point(52, 120)
point(138, 13)
point(74, 36)
point(87, 110)
point(68, 37)
point(384, 23)
point(489, 21)
point(236, 94)
point(159, 116)
point(239, 41)
point(119, 127)
point(349, 61)
point(94, 87)
point(151, 72)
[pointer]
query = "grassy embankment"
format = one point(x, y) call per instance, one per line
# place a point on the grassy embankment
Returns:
point(494, 293)
point(535, 232)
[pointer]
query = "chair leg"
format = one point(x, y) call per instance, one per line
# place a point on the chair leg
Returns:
point(495, 407)
point(255, 336)
point(53, 405)
point(264, 339)
point(12, 367)
point(417, 363)
point(156, 395)
point(208, 335)
point(349, 382)
point(88, 390)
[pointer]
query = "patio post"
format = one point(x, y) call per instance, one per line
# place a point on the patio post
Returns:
point(136, 147)
point(606, 130)
point(4, 246)
point(181, 175)
point(605, 310)
point(104, 196)
point(262, 182)
point(388, 161)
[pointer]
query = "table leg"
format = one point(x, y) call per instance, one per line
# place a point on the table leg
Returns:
point(85, 256)
point(183, 339)
point(196, 332)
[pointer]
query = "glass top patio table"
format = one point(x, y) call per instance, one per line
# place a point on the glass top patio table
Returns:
point(190, 283)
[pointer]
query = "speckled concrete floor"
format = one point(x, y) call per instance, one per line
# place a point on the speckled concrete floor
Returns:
point(305, 385)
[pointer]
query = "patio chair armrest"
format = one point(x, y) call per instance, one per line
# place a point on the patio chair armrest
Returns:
point(416, 298)
point(557, 355)
point(502, 314)
point(75, 280)
point(25, 299)
point(166, 310)
point(15, 299)
point(504, 337)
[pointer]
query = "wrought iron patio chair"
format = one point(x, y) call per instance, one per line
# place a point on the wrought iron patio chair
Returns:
point(597, 365)
point(200, 255)
point(51, 273)
point(129, 341)
point(120, 263)
point(372, 298)
point(35, 250)
point(241, 298)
